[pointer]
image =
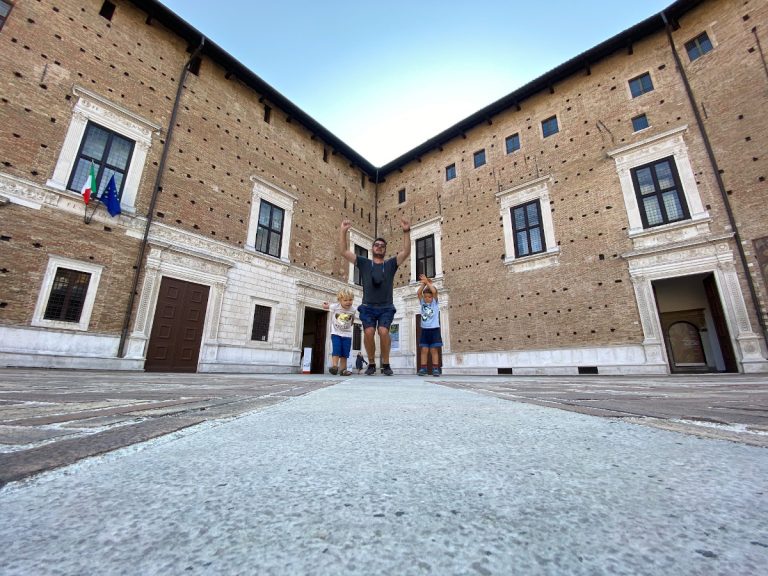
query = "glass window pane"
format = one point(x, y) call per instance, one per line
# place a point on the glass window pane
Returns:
point(645, 181)
point(81, 173)
point(522, 243)
point(430, 244)
point(265, 213)
point(652, 210)
point(277, 219)
point(537, 241)
point(261, 239)
point(274, 244)
point(664, 175)
point(119, 152)
point(430, 268)
point(420, 249)
point(533, 215)
point(518, 217)
point(95, 142)
point(672, 206)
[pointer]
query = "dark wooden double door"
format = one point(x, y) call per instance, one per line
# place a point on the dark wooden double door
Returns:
point(177, 329)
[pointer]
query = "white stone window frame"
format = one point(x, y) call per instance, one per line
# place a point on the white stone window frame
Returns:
point(272, 305)
point(268, 192)
point(54, 263)
point(361, 239)
point(537, 189)
point(431, 227)
point(99, 110)
point(652, 149)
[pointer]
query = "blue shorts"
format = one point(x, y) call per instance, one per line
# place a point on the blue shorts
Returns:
point(342, 345)
point(371, 317)
point(430, 338)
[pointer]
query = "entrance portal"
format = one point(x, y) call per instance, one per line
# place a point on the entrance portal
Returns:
point(693, 324)
point(177, 329)
point(313, 336)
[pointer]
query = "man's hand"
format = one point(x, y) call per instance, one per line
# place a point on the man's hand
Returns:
point(405, 224)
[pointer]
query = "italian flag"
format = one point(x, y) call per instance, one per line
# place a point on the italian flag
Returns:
point(89, 187)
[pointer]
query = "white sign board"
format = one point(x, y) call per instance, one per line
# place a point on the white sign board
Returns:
point(306, 362)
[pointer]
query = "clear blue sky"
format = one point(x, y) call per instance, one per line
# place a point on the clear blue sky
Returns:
point(384, 76)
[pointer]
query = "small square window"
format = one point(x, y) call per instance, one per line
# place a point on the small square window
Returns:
point(698, 46)
point(5, 9)
point(479, 158)
point(641, 85)
point(549, 126)
point(401, 196)
point(67, 297)
point(640, 122)
point(450, 172)
point(513, 143)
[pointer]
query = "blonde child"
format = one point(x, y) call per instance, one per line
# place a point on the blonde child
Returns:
point(430, 339)
point(342, 324)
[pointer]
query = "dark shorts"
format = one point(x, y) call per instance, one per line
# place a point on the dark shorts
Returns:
point(373, 317)
point(430, 338)
point(341, 345)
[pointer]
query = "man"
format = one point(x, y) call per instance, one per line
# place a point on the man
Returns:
point(377, 275)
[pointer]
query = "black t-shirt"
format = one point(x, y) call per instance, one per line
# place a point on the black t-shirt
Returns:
point(378, 281)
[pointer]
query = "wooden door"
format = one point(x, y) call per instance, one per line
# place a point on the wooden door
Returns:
point(721, 325)
point(177, 329)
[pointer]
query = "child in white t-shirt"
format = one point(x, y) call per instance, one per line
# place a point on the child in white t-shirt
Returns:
point(342, 325)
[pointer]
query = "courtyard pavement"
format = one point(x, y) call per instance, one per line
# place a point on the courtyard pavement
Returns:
point(115, 473)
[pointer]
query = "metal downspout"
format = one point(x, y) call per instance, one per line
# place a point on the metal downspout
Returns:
point(718, 177)
point(376, 206)
point(153, 201)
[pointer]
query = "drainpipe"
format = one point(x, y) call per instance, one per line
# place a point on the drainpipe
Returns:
point(718, 177)
point(153, 201)
point(376, 206)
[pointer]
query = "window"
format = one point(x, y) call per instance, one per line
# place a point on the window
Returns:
point(698, 46)
point(268, 115)
point(549, 126)
point(107, 10)
point(270, 232)
point(513, 143)
point(359, 251)
point(109, 152)
point(5, 9)
point(270, 222)
point(640, 85)
point(117, 141)
point(261, 316)
point(67, 294)
point(401, 196)
point(640, 122)
point(479, 158)
point(426, 249)
point(325, 154)
point(528, 230)
point(450, 172)
point(67, 297)
point(425, 256)
point(659, 193)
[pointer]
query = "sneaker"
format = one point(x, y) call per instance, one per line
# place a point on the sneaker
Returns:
point(333, 370)
point(371, 370)
point(437, 372)
point(387, 371)
point(422, 372)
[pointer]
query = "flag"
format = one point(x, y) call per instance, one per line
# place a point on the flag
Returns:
point(110, 199)
point(89, 186)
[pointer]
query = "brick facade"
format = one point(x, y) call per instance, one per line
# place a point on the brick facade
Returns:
point(586, 302)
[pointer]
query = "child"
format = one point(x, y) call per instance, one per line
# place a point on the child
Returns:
point(359, 361)
point(430, 339)
point(342, 323)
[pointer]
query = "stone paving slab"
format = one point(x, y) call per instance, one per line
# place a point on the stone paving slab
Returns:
point(398, 476)
point(51, 418)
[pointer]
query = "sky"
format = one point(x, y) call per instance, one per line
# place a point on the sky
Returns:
point(385, 76)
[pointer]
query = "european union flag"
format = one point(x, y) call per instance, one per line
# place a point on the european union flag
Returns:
point(110, 199)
